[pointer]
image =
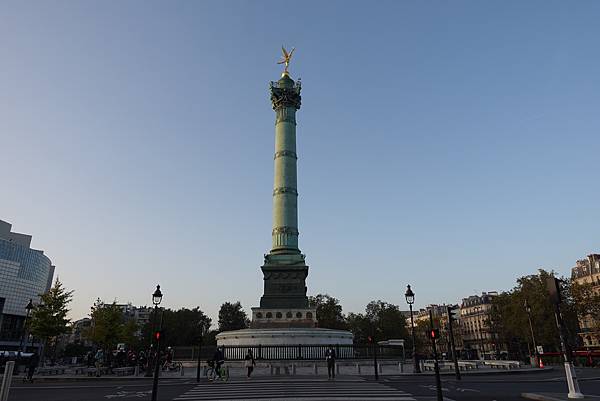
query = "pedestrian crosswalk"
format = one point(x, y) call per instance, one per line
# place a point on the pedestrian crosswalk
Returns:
point(295, 390)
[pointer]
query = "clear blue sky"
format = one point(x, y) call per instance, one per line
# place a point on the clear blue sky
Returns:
point(449, 145)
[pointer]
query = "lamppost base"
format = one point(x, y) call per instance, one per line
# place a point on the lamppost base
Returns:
point(574, 392)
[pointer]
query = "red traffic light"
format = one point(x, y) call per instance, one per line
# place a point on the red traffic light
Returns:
point(157, 335)
point(370, 339)
point(432, 333)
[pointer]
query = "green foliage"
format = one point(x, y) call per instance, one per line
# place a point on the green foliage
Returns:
point(75, 349)
point(109, 327)
point(382, 320)
point(232, 317)
point(586, 301)
point(182, 327)
point(329, 312)
point(49, 318)
point(360, 327)
point(185, 326)
point(509, 318)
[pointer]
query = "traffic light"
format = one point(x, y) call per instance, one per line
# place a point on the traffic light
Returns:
point(157, 335)
point(553, 287)
point(370, 339)
point(453, 312)
point(434, 334)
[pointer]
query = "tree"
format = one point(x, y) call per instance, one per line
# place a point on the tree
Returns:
point(509, 318)
point(182, 327)
point(360, 327)
point(388, 319)
point(232, 317)
point(329, 312)
point(109, 326)
point(382, 320)
point(586, 301)
point(49, 317)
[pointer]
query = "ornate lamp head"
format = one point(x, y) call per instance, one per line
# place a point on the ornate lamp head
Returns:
point(409, 295)
point(157, 296)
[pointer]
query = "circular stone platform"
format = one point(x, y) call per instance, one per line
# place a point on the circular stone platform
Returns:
point(287, 336)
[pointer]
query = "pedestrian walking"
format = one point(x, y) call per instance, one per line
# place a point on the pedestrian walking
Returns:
point(34, 361)
point(330, 358)
point(219, 358)
point(89, 359)
point(99, 358)
point(249, 363)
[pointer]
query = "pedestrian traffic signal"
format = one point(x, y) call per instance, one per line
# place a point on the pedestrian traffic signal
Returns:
point(157, 335)
point(434, 334)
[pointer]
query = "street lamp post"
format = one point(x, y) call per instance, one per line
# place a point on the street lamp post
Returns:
point(410, 300)
point(156, 300)
point(200, 351)
point(28, 309)
point(535, 353)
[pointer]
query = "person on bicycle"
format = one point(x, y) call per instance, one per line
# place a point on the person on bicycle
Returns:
point(168, 359)
point(219, 358)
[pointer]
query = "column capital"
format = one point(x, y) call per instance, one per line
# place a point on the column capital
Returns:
point(285, 94)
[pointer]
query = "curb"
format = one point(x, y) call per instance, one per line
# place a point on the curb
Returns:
point(476, 373)
point(539, 397)
point(553, 397)
point(58, 378)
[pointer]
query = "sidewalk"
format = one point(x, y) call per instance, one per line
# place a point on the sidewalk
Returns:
point(189, 373)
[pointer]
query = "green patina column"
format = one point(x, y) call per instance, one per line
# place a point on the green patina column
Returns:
point(285, 270)
point(285, 97)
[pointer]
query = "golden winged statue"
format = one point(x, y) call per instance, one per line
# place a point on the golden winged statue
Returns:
point(285, 59)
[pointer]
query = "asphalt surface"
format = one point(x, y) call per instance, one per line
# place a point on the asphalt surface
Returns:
point(496, 387)
point(499, 387)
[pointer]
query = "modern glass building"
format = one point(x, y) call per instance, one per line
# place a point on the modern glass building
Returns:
point(25, 274)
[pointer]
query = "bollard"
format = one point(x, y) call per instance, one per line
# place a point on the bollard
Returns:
point(358, 367)
point(316, 369)
point(294, 369)
point(182, 370)
point(6, 380)
point(400, 367)
point(137, 370)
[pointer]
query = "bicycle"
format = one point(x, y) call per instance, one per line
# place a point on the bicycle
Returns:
point(172, 366)
point(211, 372)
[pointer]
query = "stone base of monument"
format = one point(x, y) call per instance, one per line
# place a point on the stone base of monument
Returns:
point(286, 336)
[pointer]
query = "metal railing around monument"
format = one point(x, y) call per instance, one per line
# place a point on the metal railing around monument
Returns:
point(290, 352)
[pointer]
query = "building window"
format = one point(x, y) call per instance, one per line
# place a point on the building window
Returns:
point(309, 315)
point(288, 315)
point(259, 315)
point(269, 315)
point(278, 315)
point(299, 315)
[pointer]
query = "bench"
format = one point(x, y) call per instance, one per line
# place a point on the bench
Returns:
point(129, 370)
point(79, 370)
point(51, 370)
point(503, 364)
point(462, 365)
point(94, 371)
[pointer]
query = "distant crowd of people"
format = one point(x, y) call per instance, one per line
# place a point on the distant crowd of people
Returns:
point(145, 360)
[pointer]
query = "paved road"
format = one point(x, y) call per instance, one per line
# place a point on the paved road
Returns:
point(497, 387)
point(401, 388)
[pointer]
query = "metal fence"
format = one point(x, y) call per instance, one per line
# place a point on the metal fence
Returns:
point(291, 352)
